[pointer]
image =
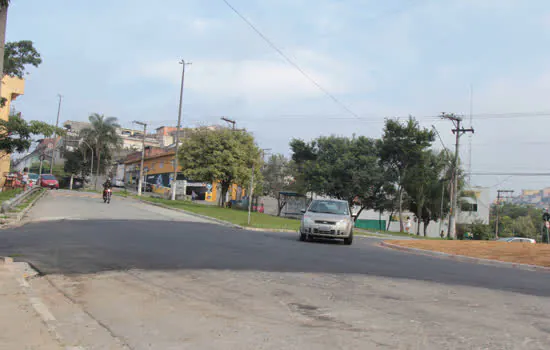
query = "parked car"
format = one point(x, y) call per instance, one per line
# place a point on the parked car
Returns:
point(327, 218)
point(49, 181)
point(33, 178)
point(516, 240)
point(77, 182)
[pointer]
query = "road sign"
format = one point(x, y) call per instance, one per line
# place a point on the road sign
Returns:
point(548, 224)
point(209, 187)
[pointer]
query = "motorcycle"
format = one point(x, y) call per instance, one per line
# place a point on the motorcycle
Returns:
point(107, 195)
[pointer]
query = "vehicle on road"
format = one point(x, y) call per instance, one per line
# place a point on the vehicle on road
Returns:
point(107, 193)
point(49, 181)
point(33, 179)
point(516, 240)
point(327, 218)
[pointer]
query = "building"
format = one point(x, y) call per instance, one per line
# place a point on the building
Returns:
point(158, 171)
point(44, 149)
point(11, 89)
point(475, 206)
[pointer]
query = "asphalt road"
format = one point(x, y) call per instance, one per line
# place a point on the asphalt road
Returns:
point(157, 279)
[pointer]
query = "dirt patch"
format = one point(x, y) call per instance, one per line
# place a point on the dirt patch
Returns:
point(523, 253)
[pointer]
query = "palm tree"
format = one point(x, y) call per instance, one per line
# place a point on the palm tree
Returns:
point(4, 4)
point(102, 134)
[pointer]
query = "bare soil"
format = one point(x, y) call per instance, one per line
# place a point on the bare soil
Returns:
point(523, 253)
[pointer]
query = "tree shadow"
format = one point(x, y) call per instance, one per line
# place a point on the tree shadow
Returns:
point(92, 246)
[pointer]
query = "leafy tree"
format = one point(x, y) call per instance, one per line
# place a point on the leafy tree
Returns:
point(222, 155)
point(275, 173)
point(340, 167)
point(401, 147)
point(16, 133)
point(18, 55)
point(425, 184)
point(102, 136)
point(77, 163)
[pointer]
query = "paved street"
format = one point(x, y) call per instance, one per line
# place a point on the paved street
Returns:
point(130, 275)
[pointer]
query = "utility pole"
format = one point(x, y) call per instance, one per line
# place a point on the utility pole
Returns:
point(55, 133)
point(176, 165)
point(230, 121)
point(499, 197)
point(458, 131)
point(251, 192)
point(140, 182)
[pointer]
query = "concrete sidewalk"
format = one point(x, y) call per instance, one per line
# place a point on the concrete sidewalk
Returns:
point(21, 326)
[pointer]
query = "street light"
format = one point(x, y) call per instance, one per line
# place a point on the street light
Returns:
point(91, 163)
point(140, 182)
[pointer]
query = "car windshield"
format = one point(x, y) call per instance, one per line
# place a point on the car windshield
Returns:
point(48, 177)
point(33, 176)
point(329, 207)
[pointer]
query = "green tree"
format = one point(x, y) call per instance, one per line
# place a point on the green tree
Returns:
point(427, 184)
point(222, 155)
point(401, 147)
point(16, 133)
point(18, 55)
point(275, 172)
point(340, 167)
point(102, 136)
point(77, 163)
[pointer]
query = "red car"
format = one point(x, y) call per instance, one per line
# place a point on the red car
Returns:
point(49, 181)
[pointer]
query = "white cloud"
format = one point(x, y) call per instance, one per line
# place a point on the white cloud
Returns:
point(256, 79)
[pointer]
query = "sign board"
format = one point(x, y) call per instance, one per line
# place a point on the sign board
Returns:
point(209, 187)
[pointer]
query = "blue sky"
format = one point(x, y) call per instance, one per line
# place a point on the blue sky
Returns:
point(390, 58)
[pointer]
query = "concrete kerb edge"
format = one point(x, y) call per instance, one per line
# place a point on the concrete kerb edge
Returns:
point(465, 258)
point(18, 218)
point(214, 220)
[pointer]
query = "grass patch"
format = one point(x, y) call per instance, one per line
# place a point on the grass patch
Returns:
point(7, 195)
point(238, 217)
point(23, 205)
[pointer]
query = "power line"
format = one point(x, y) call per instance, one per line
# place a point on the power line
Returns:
point(291, 62)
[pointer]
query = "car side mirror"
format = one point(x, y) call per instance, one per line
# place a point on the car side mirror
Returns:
point(303, 211)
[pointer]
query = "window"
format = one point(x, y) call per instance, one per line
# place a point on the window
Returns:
point(468, 207)
point(329, 207)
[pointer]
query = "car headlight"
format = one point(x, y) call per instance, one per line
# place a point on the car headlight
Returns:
point(342, 224)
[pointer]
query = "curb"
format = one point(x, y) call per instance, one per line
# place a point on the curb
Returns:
point(17, 220)
point(464, 258)
point(214, 220)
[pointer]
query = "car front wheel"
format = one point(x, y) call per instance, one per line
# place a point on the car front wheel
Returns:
point(349, 240)
point(302, 237)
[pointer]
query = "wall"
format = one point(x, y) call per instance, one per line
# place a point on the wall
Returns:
point(11, 89)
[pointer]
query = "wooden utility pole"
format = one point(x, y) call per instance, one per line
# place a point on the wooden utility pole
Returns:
point(458, 131)
point(499, 197)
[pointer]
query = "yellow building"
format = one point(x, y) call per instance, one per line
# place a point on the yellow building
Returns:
point(158, 169)
point(11, 89)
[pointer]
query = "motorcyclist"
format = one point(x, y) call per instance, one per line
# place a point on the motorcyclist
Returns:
point(106, 186)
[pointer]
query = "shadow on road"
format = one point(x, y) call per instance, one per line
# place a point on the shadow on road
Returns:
point(84, 247)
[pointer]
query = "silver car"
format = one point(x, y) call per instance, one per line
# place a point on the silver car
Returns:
point(327, 218)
